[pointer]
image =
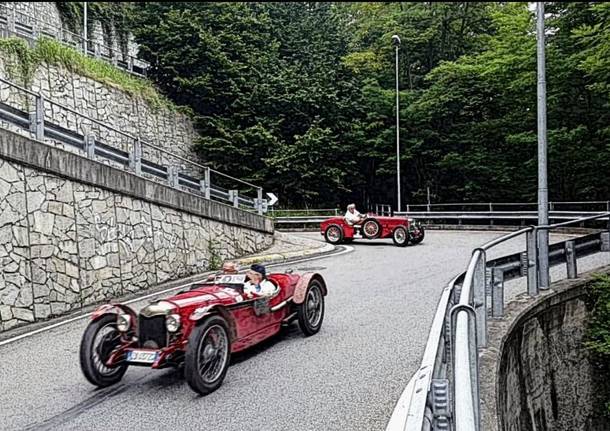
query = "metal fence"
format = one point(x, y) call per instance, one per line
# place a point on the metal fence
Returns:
point(104, 143)
point(444, 393)
point(18, 24)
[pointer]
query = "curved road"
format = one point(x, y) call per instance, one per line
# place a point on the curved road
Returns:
point(347, 377)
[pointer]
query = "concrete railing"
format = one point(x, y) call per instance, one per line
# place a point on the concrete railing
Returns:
point(18, 24)
point(444, 393)
point(128, 152)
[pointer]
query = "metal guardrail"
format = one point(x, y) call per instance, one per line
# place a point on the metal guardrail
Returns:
point(506, 206)
point(444, 393)
point(136, 155)
point(18, 24)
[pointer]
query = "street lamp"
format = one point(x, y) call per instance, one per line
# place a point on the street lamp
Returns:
point(396, 43)
point(85, 27)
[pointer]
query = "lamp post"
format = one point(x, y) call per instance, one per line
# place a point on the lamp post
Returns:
point(396, 43)
point(85, 28)
point(543, 191)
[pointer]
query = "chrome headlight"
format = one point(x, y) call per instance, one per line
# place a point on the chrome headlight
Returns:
point(123, 322)
point(172, 322)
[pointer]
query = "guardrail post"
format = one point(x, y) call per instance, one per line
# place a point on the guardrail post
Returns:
point(259, 200)
point(570, 251)
point(532, 262)
point(37, 118)
point(605, 237)
point(135, 158)
point(497, 293)
point(206, 183)
point(234, 197)
point(480, 299)
point(90, 145)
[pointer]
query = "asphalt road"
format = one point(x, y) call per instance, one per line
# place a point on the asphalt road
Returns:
point(347, 377)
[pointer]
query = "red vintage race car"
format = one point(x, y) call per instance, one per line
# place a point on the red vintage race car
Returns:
point(402, 230)
point(198, 328)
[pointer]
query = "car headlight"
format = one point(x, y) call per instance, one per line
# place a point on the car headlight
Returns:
point(172, 322)
point(123, 322)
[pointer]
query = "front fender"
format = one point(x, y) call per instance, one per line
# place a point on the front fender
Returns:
point(102, 310)
point(301, 288)
point(202, 312)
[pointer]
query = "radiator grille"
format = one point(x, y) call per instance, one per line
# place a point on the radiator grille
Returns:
point(152, 332)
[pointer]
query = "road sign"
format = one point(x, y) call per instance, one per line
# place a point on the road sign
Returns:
point(273, 199)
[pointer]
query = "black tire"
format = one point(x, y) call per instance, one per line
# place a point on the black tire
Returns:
point(99, 340)
point(348, 240)
point(371, 229)
point(333, 234)
point(310, 313)
point(419, 238)
point(204, 351)
point(400, 236)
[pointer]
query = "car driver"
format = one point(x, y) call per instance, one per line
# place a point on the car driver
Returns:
point(352, 216)
point(258, 284)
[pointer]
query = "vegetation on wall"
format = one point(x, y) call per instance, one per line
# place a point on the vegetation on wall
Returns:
point(598, 337)
point(299, 97)
point(22, 61)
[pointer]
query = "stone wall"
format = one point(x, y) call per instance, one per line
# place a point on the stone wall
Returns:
point(74, 232)
point(544, 377)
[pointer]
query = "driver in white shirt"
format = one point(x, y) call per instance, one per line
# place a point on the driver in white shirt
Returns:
point(352, 216)
point(258, 284)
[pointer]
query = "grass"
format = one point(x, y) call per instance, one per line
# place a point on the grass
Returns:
point(25, 60)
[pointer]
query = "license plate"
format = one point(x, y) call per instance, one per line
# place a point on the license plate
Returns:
point(142, 356)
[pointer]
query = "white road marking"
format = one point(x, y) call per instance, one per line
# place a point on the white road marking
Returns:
point(347, 249)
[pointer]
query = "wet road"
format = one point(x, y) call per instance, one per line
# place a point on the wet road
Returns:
point(349, 376)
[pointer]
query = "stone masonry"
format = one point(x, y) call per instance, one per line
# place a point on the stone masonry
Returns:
point(71, 237)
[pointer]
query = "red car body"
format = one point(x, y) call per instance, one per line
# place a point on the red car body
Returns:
point(402, 230)
point(243, 321)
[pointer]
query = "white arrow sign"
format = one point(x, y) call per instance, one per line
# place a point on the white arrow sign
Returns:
point(273, 199)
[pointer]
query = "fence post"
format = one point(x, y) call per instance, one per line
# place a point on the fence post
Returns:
point(259, 200)
point(532, 262)
point(605, 237)
point(37, 118)
point(12, 18)
point(234, 197)
point(135, 159)
point(172, 175)
point(480, 299)
point(497, 293)
point(96, 50)
point(90, 145)
point(207, 185)
point(570, 251)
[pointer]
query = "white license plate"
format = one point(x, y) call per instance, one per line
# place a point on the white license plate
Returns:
point(142, 356)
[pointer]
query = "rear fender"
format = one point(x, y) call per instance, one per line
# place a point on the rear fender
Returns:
point(301, 288)
point(201, 313)
point(105, 309)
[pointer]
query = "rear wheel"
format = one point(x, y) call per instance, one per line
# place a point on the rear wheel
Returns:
point(311, 312)
point(333, 234)
point(371, 229)
point(400, 236)
point(100, 340)
point(208, 354)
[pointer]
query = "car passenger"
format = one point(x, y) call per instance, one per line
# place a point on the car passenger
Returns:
point(258, 284)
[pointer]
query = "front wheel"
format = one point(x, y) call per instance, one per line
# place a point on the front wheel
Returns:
point(417, 235)
point(100, 340)
point(208, 354)
point(311, 312)
point(400, 236)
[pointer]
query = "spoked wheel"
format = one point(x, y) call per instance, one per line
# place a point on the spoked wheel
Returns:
point(333, 234)
point(100, 340)
point(207, 357)
point(311, 312)
point(417, 235)
point(371, 229)
point(400, 236)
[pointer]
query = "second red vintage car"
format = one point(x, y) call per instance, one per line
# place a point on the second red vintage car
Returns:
point(402, 230)
point(199, 328)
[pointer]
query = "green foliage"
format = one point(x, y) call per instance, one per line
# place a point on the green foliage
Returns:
point(215, 259)
point(300, 97)
point(23, 61)
point(598, 336)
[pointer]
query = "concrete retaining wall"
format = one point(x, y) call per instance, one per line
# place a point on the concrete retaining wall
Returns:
point(536, 374)
point(75, 232)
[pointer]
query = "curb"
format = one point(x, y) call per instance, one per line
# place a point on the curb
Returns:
point(285, 257)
